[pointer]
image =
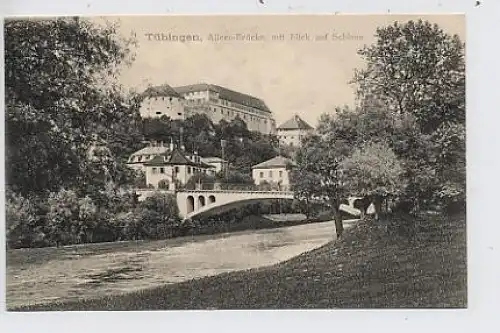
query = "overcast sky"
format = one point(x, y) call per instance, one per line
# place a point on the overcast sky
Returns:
point(293, 77)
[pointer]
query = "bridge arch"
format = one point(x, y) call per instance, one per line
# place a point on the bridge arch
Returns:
point(222, 206)
point(211, 199)
point(201, 201)
point(190, 204)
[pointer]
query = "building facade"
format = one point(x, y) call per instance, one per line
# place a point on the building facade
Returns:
point(162, 101)
point(172, 165)
point(175, 168)
point(293, 131)
point(274, 172)
point(217, 102)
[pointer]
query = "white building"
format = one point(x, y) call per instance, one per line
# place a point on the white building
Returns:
point(274, 171)
point(292, 131)
point(175, 168)
point(136, 160)
point(216, 102)
point(159, 162)
point(162, 101)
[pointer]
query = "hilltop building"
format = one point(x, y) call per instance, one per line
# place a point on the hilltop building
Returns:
point(162, 101)
point(292, 131)
point(216, 102)
point(274, 171)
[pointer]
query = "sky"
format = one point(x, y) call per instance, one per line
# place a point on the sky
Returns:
point(304, 77)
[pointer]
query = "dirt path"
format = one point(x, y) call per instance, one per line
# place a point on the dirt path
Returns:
point(94, 275)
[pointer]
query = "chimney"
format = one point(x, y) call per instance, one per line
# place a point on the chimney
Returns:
point(181, 141)
point(171, 144)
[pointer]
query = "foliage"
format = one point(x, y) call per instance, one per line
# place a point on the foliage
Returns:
point(21, 219)
point(234, 176)
point(373, 170)
point(319, 161)
point(163, 184)
point(415, 68)
point(199, 178)
point(164, 204)
point(70, 219)
point(243, 147)
point(61, 103)
point(411, 94)
point(305, 185)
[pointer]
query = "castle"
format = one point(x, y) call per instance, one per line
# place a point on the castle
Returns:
point(216, 102)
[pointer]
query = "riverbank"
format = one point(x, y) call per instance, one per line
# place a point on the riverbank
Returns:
point(391, 264)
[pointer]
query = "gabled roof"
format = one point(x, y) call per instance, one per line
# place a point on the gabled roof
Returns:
point(275, 162)
point(227, 94)
point(295, 123)
point(163, 90)
point(156, 161)
point(177, 158)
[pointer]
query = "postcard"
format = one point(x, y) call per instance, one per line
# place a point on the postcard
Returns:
point(226, 162)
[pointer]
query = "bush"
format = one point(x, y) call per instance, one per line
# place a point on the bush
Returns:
point(199, 178)
point(163, 184)
point(22, 223)
point(70, 219)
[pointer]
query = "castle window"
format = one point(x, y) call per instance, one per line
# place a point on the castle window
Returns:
point(281, 174)
point(154, 171)
point(262, 175)
point(270, 174)
point(189, 170)
point(162, 170)
point(158, 112)
point(176, 169)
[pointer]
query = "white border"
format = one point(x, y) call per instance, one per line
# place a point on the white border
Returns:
point(483, 228)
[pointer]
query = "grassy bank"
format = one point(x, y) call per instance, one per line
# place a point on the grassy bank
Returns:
point(399, 264)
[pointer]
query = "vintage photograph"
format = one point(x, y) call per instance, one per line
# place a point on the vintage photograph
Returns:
point(235, 162)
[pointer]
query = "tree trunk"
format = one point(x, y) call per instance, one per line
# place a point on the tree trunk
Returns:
point(362, 212)
point(377, 204)
point(339, 227)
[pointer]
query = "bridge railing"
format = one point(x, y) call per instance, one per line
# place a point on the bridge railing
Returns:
point(236, 187)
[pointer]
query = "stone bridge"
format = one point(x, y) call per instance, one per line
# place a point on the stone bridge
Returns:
point(196, 203)
point(199, 202)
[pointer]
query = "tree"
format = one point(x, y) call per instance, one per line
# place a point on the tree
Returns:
point(62, 101)
point(304, 186)
point(321, 158)
point(415, 75)
point(373, 171)
point(415, 68)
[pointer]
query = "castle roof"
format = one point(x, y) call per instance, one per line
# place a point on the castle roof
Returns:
point(163, 90)
point(227, 94)
point(295, 123)
point(275, 162)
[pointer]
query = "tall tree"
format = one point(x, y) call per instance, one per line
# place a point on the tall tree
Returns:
point(415, 73)
point(321, 158)
point(62, 99)
point(415, 68)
